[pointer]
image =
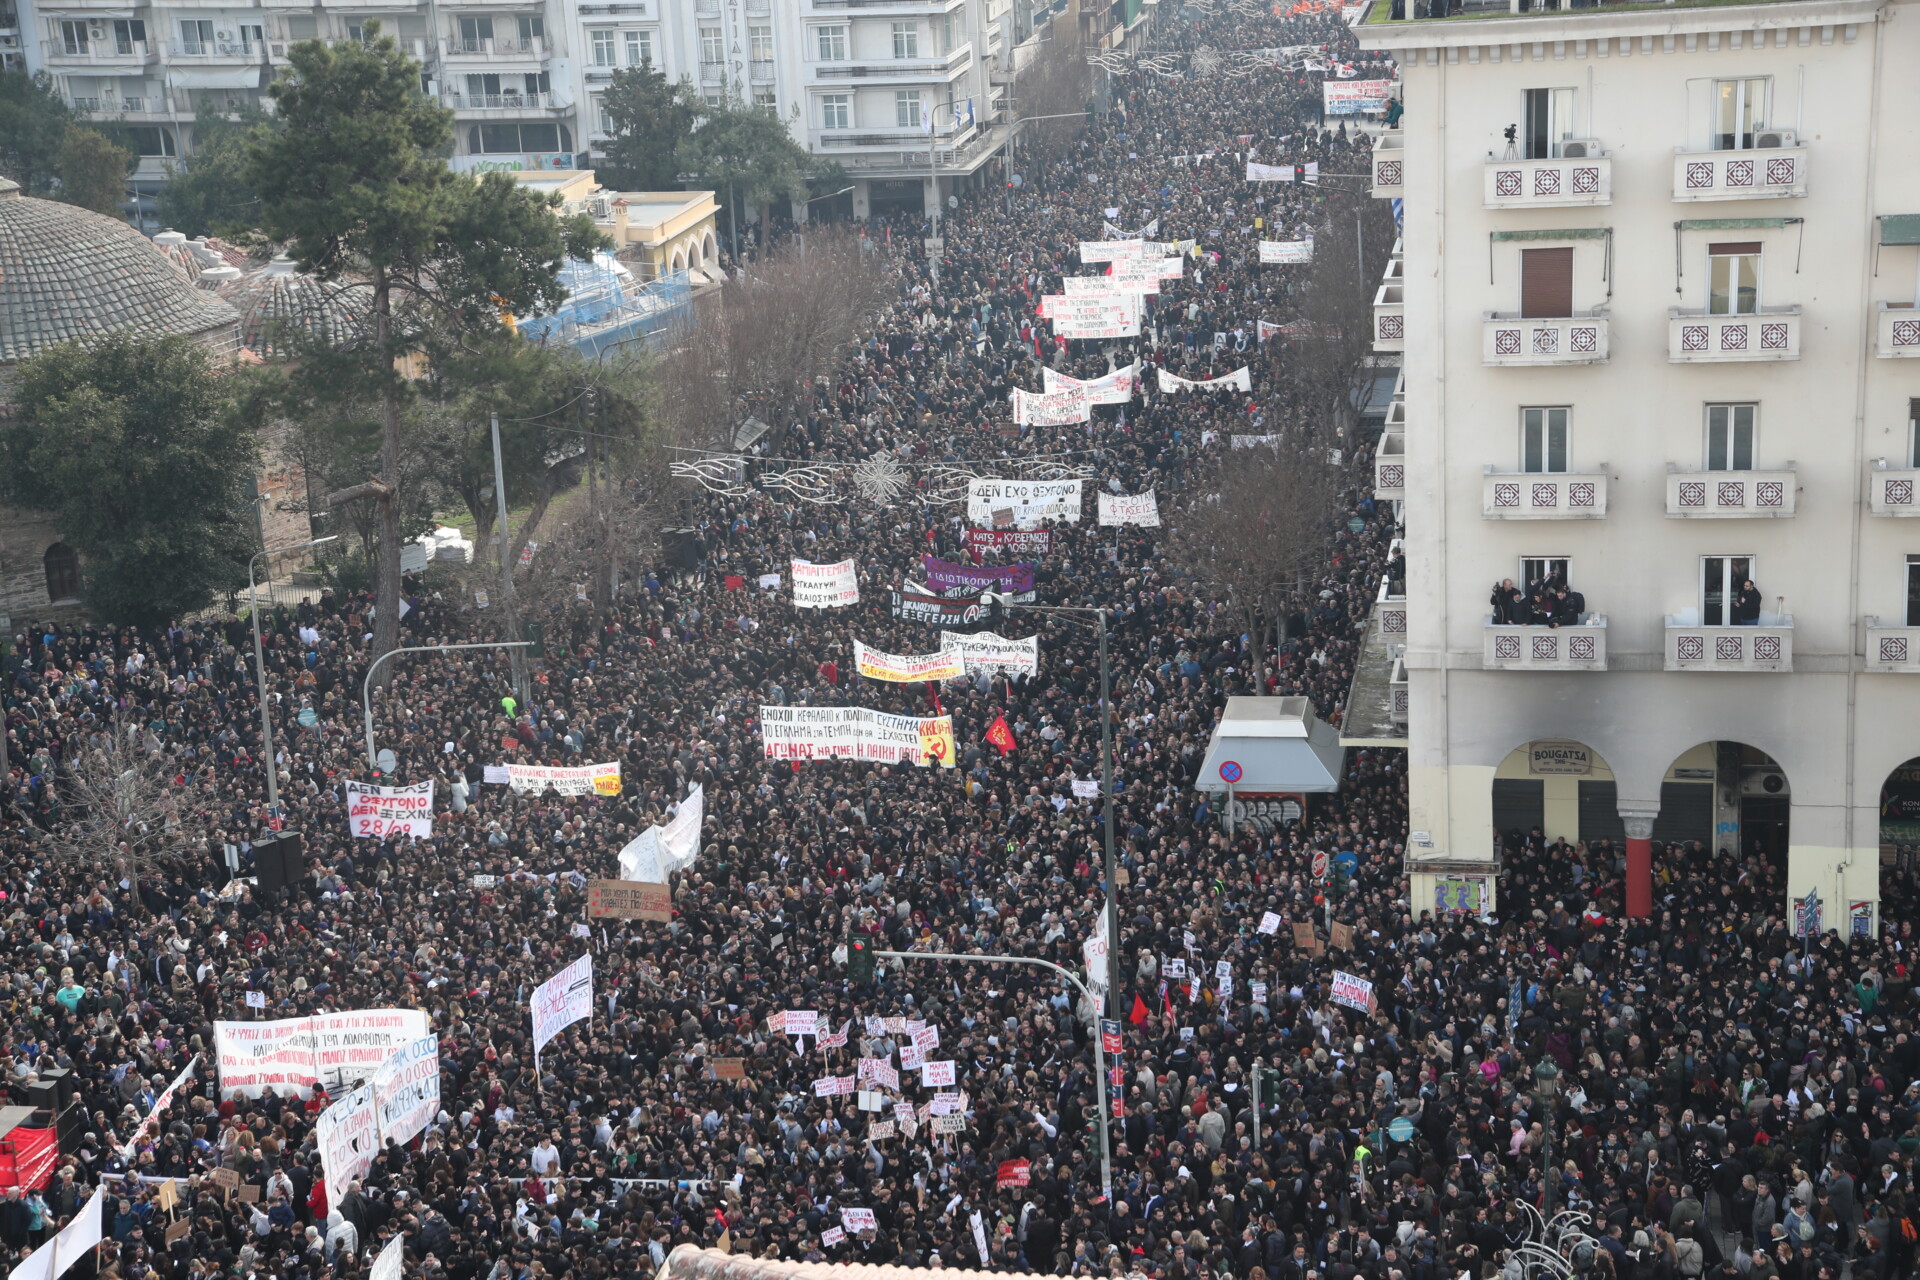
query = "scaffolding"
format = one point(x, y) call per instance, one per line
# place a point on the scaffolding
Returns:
point(607, 309)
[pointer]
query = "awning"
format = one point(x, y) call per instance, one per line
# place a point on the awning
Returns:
point(1268, 745)
point(1564, 233)
point(1734, 224)
point(214, 78)
point(1900, 228)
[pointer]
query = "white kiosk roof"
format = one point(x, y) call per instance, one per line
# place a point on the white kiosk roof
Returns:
point(1272, 744)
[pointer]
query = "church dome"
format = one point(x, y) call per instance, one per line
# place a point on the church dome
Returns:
point(281, 309)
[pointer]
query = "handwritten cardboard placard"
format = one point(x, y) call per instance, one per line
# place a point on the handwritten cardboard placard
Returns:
point(628, 900)
point(728, 1068)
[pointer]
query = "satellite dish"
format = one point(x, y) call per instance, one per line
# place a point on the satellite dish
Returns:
point(385, 761)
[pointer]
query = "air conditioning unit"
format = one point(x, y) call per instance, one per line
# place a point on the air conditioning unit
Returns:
point(1765, 782)
point(97, 31)
point(225, 35)
point(1579, 148)
point(600, 207)
point(1774, 139)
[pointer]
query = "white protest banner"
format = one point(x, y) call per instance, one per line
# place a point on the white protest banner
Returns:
point(1269, 172)
point(1109, 325)
point(927, 1039)
point(855, 733)
point(348, 1134)
point(1130, 508)
point(911, 1059)
point(495, 774)
point(1351, 991)
point(856, 1220)
point(1086, 788)
point(1110, 388)
point(1092, 286)
point(1030, 500)
point(834, 1235)
point(1108, 250)
point(406, 1090)
point(906, 668)
point(1059, 409)
point(576, 780)
point(984, 653)
point(1093, 954)
point(377, 812)
point(824, 586)
point(160, 1104)
point(390, 1262)
point(349, 1046)
point(768, 582)
point(832, 1086)
point(947, 1104)
point(1173, 968)
point(661, 850)
point(1353, 97)
point(797, 1022)
point(1258, 992)
point(880, 1129)
point(1277, 252)
point(949, 1124)
point(561, 1001)
point(1239, 380)
point(1240, 441)
point(1269, 923)
point(289, 1056)
point(935, 1074)
point(979, 1236)
point(1116, 305)
point(71, 1247)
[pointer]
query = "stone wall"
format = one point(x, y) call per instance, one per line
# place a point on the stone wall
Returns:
point(24, 540)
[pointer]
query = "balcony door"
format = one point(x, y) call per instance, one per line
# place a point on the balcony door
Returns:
point(1546, 283)
point(1739, 111)
point(1733, 278)
point(1543, 440)
point(1721, 578)
point(1730, 437)
point(1913, 591)
point(1549, 121)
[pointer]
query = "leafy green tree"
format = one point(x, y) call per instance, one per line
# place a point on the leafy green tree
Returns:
point(210, 194)
point(356, 186)
point(648, 117)
point(33, 130)
point(746, 155)
point(132, 447)
point(93, 171)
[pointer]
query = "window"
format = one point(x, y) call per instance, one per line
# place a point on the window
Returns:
point(835, 111)
point(63, 573)
point(764, 98)
point(518, 138)
point(603, 49)
point(713, 45)
point(196, 35)
point(1721, 578)
point(73, 38)
point(833, 43)
point(252, 36)
point(532, 27)
point(128, 35)
point(1913, 591)
point(639, 48)
point(1543, 440)
point(1539, 568)
point(1549, 122)
point(1546, 283)
point(760, 43)
point(150, 140)
point(1730, 437)
point(1733, 279)
point(946, 34)
point(537, 82)
point(1739, 109)
point(1913, 433)
point(906, 39)
point(906, 108)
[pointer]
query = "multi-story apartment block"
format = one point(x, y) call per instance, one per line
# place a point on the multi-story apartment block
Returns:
point(1656, 307)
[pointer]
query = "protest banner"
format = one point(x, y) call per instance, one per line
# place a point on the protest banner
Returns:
point(1282, 252)
point(1244, 441)
point(857, 1220)
point(949, 1124)
point(348, 1134)
point(390, 1262)
point(824, 586)
point(1011, 1173)
point(1355, 97)
point(561, 1001)
point(880, 1129)
point(1037, 542)
point(1142, 509)
point(71, 1247)
point(939, 611)
point(934, 1075)
point(948, 578)
point(1030, 500)
point(1303, 934)
point(288, 1056)
point(406, 1090)
point(728, 1068)
point(1352, 991)
point(1341, 935)
point(662, 849)
point(629, 900)
point(377, 812)
point(1269, 922)
point(1092, 251)
point(832, 1086)
point(855, 733)
point(566, 780)
point(926, 1039)
point(1115, 321)
point(1238, 380)
point(984, 653)
point(1058, 409)
point(906, 668)
point(1269, 172)
point(1111, 388)
point(834, 1235)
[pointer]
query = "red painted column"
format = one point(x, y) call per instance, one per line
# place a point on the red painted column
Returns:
point(1638, 820)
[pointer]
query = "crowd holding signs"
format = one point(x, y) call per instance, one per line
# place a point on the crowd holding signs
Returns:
point(856, 733)
point(289, 1056)
point(375, 813)
point(824, 586)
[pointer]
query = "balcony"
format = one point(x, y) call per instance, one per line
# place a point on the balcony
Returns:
point(1390, 613)
point(1890, 490)
point(1397, 693)
point(1694, 337)
point(1731, 494)
point(1390, 317)
point(1768, 647)
point(1389, 159)
point(713, 73)
point(460, 48)
point(905, 70)
point(1577, 648)
point(1549, 184)
point(1390, 468)
point(1511, 340)
point(1892, 649)
point(1510, 495)
point(1769, 173)
point(1899, 330)
point(99, 53)
point(502, 102)
point(219, 50)
point(760, 70)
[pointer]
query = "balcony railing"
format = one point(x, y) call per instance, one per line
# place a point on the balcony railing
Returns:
point(496, 46)
point(1390, 613)
point(1390, 318)
point(248, 49)
point(1891, 491)
point(1696, 338)
point(760, 70)
point(97, 51)
point(1576, 648)
point(1510, 340)
point(1397, 700)
point(1755, 174)
point(1732, 494)
point(1892, 648)
point(496, 101)
point(1549, 184)
point(1768, 647)
point(1508, 495)
point(713, 73)
point(1389, 163)
point(1899, 330)
point(1390, 468)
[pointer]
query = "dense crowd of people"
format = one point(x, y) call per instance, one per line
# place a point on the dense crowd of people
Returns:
point(1712, 1093)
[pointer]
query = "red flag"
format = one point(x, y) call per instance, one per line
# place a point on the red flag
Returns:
point(734, 582)
point(1000, 735)
point(1139, 1014)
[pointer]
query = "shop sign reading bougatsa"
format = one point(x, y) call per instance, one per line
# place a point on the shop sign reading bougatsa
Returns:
point(628, 900)
point(1559, 757)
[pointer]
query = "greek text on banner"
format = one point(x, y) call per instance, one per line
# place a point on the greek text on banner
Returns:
point(377, 812)
point(906, 668)
point(1130, 508)
point(581, 780)
point(855, 733)
point(824, 586)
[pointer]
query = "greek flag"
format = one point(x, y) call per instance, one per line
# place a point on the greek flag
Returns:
point(1399, 213)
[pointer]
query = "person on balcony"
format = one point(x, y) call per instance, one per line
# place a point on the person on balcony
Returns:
point(1509, 606)
point(1746, 605)
point(1568, 607)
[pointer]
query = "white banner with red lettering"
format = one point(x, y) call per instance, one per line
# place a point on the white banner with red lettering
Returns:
point(406, 1089)
point(1238, 380)
point(348, 1134)
point(824, 586)
point(1352, 991)
point(290, 1055)
point(1110, 388)
point(561, 1001)
point(378, 812)
point(1053, 410)
point(1130, 508)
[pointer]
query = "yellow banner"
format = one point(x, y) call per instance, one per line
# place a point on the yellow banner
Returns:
point(907, 668)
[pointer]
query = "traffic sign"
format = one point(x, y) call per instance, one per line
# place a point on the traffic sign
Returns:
point(309, 717)
point(1319, 862)
point(385, 761)
point(1401, 1130)
point(1230, 770)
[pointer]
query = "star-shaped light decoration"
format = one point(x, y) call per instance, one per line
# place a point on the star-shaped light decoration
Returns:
point(881, 479)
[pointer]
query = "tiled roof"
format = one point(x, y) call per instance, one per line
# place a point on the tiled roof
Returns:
point(281, 310)
point(67, 273)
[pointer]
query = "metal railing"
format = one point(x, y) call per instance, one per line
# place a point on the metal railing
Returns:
point(496, 101)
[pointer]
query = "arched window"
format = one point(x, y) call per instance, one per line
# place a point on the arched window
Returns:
point(63, 573)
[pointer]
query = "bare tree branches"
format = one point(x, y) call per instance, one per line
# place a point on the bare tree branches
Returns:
point(119, 810)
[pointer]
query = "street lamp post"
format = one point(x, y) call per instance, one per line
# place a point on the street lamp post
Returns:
point(1013, 131)
point(366, 681)
point(1099, 1049)
point(260, 668)
point(933, 142)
